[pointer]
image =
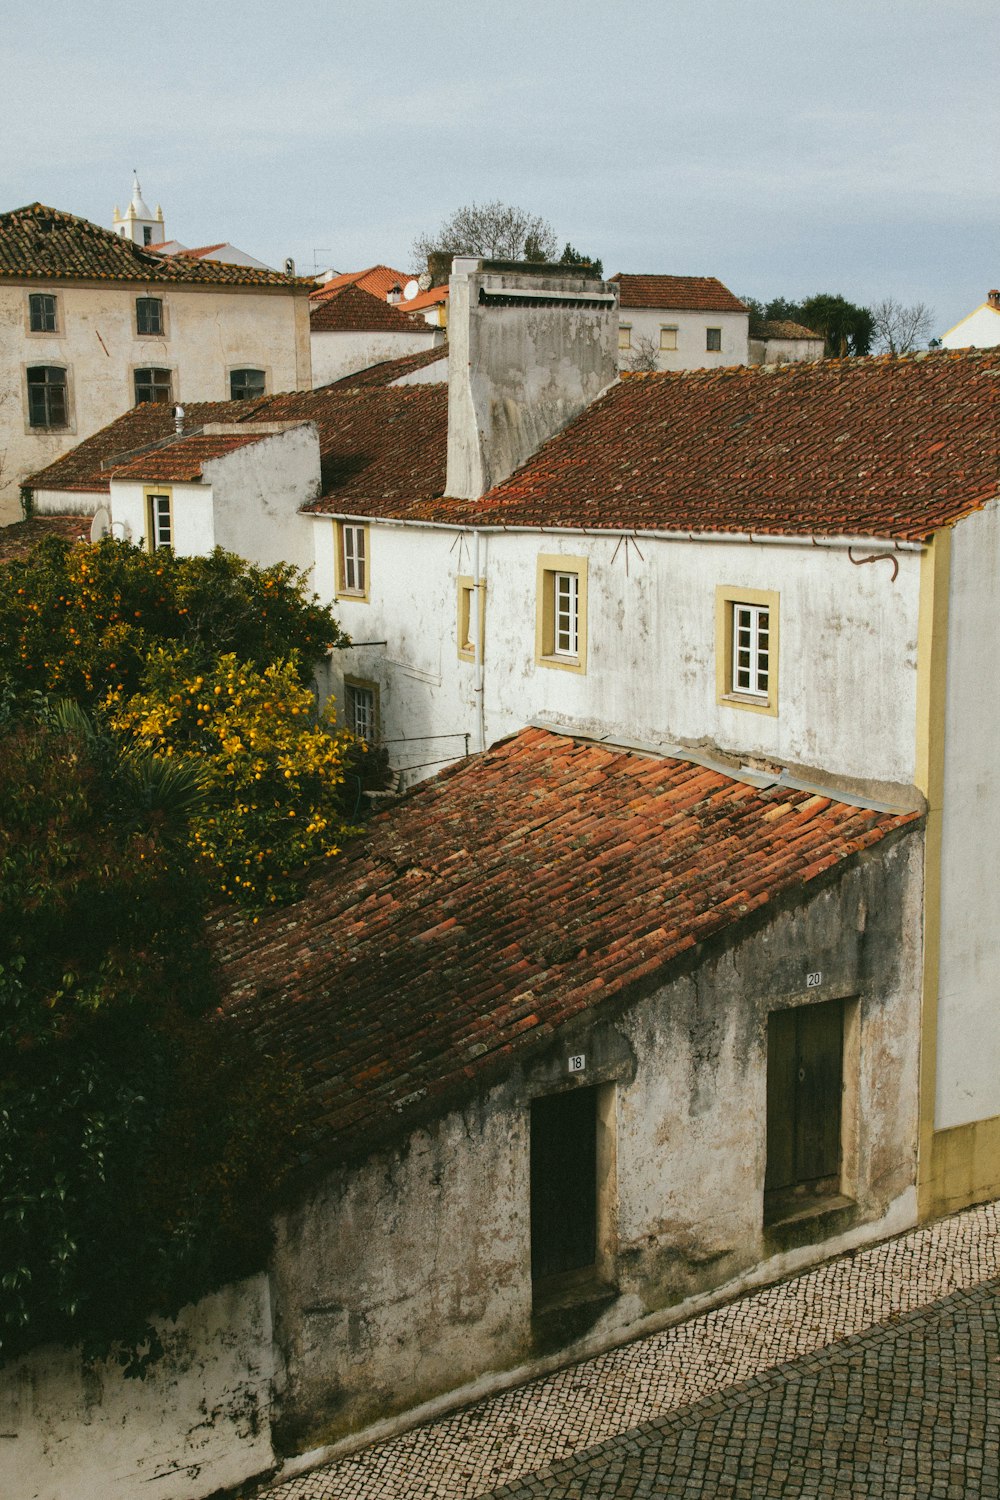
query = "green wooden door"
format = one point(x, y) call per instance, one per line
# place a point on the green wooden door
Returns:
point(805, 1049)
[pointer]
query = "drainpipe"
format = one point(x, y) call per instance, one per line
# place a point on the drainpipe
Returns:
point(478, 610)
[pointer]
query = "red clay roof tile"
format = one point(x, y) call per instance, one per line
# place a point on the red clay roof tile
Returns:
point(352, 309)
point(685, 293)
point(505, 898)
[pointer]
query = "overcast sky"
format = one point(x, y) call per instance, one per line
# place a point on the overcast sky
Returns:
point(785, 146)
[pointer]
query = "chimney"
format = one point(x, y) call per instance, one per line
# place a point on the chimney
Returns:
point(993, 298)
point(394, 294)
point(529, 347)
point(439, 267)
point(179, 420)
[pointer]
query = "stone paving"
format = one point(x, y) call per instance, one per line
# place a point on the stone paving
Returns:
point(532, 1428)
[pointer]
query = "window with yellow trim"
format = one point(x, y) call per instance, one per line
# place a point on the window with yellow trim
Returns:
point(561, 613)
point(746, 648)
point(352, 560)
point(467, 592)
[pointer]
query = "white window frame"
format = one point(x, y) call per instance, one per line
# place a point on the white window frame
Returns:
point(352, 559)
point(751, 650)
point(361, 709)
point(160, 519)
point(566, 615)
point(561, 612)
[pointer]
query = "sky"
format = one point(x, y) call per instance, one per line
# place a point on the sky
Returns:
point(786, 146)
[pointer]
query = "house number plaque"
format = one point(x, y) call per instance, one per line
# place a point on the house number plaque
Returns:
point(814, 979)
point(577, 1063)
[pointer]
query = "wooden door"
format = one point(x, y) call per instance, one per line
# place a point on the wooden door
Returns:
point(805, 1048)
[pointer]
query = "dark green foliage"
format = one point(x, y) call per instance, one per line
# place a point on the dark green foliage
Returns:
point(846, 328)
point(81, 621)
point(136, 1136)
point(571, 257)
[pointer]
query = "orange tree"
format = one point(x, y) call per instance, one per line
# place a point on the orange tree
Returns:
point(135, 1136)
point(81, 621)
point(274, 798)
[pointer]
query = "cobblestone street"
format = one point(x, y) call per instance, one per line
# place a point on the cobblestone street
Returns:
point(876, 1375)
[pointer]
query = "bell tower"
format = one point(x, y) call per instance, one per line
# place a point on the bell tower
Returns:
point(137, 223)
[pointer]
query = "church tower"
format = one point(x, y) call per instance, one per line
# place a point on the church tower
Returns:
point(137, 223)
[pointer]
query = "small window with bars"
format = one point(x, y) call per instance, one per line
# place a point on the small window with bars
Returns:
point(149, 315)
point(47, 403)
point(42, 312)
point(353, 560)
point(160, 522)
point(152, 385)
point(751, 649)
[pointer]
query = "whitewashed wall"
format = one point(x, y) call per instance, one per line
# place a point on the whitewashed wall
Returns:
point(968, 1060)
point(691, 353)
point(248, 502)
point(847, 638)
point(198, 1423)
point(336, 354)
point(981, 330)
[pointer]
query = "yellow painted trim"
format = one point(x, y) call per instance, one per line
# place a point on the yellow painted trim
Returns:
point(550, 563)
point(964, 1168)
point(358, 595)
point(466, 588)
point(983, 307)
point(932, 668)
point(726, 595)
point(148, 491)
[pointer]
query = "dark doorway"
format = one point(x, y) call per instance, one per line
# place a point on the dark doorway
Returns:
point(563, 1183)
point(805, 1051)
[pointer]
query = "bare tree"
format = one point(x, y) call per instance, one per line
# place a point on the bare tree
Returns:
point(644, 354)
point(900, 330)
point(499, 231)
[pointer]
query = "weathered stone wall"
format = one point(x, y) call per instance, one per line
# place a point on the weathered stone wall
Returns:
point(409, 1278)
point(198, 1423)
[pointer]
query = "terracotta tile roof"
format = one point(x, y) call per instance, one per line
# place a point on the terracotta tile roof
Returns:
point(42, 242)
point(20, 538)
point(783, 328)
point(500, 902)
point(351, 309)
point(181, 461)
point(205, 249)
point(380, 448)
point(430, 298)
point(379, 280)
point(685, 293)
point(881, 447)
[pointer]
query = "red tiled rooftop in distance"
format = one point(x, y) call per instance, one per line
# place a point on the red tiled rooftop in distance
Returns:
point(37, 241)
point(19, 539)
point(351, 309)
point(502, 900)
point(783, 328)
point(684, 293)
point(378, 280)
point(894, 448)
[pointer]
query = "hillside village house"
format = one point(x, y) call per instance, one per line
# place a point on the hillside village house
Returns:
point(781, 341)
point(979, 329)
point(691, 982)
point(680, 322)
point(92, 323)
point(351, 329)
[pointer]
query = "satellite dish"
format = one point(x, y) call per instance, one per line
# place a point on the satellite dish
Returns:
point(101, 524)
point(424, 281)
point(410, 290)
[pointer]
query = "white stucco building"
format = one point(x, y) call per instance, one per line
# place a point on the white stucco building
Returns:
point(980, 329)
point(94, 322)
point(679, 323)
point(352, 329)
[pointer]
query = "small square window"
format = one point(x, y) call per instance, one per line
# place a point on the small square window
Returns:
point(246, 385)
point(152, 385)
point(42, 312)
point(361, 709)
point(713, 340)
point(149, 315)
point(624, 336)
point(158, 513)
point(352, 560)
point(668, 338)
point(47, 399)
